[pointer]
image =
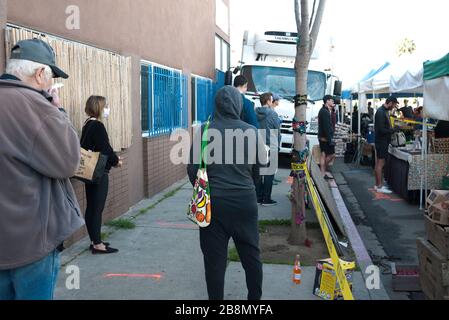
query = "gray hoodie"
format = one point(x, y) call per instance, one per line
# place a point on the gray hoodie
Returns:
point(231, 177)
point(39, 152)
point(269, 121)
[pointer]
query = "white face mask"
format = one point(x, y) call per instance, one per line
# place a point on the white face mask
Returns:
point(107, 113)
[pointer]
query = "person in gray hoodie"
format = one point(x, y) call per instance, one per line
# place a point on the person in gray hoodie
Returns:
point(270, 123)
point(39, 152)
point(233, 197)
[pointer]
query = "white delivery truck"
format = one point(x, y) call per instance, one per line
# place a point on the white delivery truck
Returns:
point(268, 63)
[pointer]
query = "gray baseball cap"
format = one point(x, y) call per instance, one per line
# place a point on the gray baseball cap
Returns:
point(37, 51)
point(276, 97)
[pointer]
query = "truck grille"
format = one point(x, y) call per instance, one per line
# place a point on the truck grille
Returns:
point(286, 127)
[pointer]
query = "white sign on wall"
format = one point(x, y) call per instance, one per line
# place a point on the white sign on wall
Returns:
point(222, 15)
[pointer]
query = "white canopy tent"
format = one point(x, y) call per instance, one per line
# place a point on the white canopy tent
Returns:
point(405, 75)
point(411, 81)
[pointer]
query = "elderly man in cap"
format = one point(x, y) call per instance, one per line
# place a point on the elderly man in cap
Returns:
point(39, 152)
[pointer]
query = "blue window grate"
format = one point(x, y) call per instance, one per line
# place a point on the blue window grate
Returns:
point(204, 93)
point(164, 100)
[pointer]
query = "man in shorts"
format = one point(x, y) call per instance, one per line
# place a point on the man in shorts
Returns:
point(383, 132)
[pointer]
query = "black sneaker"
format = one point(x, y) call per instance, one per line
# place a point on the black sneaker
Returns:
point(259, 201)
point(269, 203)
point(108, 250)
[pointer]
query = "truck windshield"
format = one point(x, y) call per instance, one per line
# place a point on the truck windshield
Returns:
point(282, 81)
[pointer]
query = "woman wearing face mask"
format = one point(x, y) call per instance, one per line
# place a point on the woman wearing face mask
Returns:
point(95, 138)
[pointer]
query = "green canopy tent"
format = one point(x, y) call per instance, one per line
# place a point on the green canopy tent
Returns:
point(436, 100)
point(436, 89)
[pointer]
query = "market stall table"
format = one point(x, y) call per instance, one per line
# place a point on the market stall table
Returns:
point(404, 169)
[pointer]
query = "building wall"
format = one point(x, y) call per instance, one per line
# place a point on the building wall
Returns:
point(175, 33)
point(157, 159)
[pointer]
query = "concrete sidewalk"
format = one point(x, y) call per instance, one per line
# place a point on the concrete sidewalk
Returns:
point(161, 258)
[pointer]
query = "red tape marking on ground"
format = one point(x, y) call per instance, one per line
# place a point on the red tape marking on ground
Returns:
point(127, 275)
point(382, 196)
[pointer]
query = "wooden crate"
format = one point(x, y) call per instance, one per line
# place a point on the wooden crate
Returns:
point(431, 290)
point(439, 213)
point(438, 235)
point(434, 271)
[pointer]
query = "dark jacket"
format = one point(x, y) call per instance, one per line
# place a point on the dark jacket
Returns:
point(39, 152)
point(371, 113)
point(248, 113)
point(442, 130)
point(225, 176)
point(382, 126)
point(325, 128)
point(269, 121)
point(355, 122)
point(407, 112)
point(94, 137)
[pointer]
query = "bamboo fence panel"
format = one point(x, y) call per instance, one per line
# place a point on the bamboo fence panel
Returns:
point(92, 71)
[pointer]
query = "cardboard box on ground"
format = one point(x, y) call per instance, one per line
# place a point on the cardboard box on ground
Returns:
point(405, 278)
point(326, 284)
point(438, 207)
point(439, 213)
point(437, 196)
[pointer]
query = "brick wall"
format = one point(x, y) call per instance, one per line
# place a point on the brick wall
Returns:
point(159, 172)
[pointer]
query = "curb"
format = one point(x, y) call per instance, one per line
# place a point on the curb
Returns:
point(362, 256)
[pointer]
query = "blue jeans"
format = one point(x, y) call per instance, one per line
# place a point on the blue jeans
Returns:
point(35, 281)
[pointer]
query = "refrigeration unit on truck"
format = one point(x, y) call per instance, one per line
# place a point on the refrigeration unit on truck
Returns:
point(268, 63)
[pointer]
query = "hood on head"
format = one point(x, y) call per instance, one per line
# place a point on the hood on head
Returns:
point(228, 104)
point(262, 113)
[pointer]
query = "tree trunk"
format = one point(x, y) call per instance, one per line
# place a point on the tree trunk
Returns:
point(298, 232)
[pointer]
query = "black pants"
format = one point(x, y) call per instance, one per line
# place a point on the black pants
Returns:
point(96, 195)
point(236, 216)
point(264, 187)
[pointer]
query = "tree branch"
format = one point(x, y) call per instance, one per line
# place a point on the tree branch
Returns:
point(304, 30)
point(297, 16)
point(312, 16)
point(317, 24)
point(305, 19)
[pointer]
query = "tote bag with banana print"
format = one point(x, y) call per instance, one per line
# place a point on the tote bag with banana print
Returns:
point(199, 210)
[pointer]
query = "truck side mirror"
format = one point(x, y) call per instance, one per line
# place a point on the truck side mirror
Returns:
point(338, 88)
point(228, 78)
